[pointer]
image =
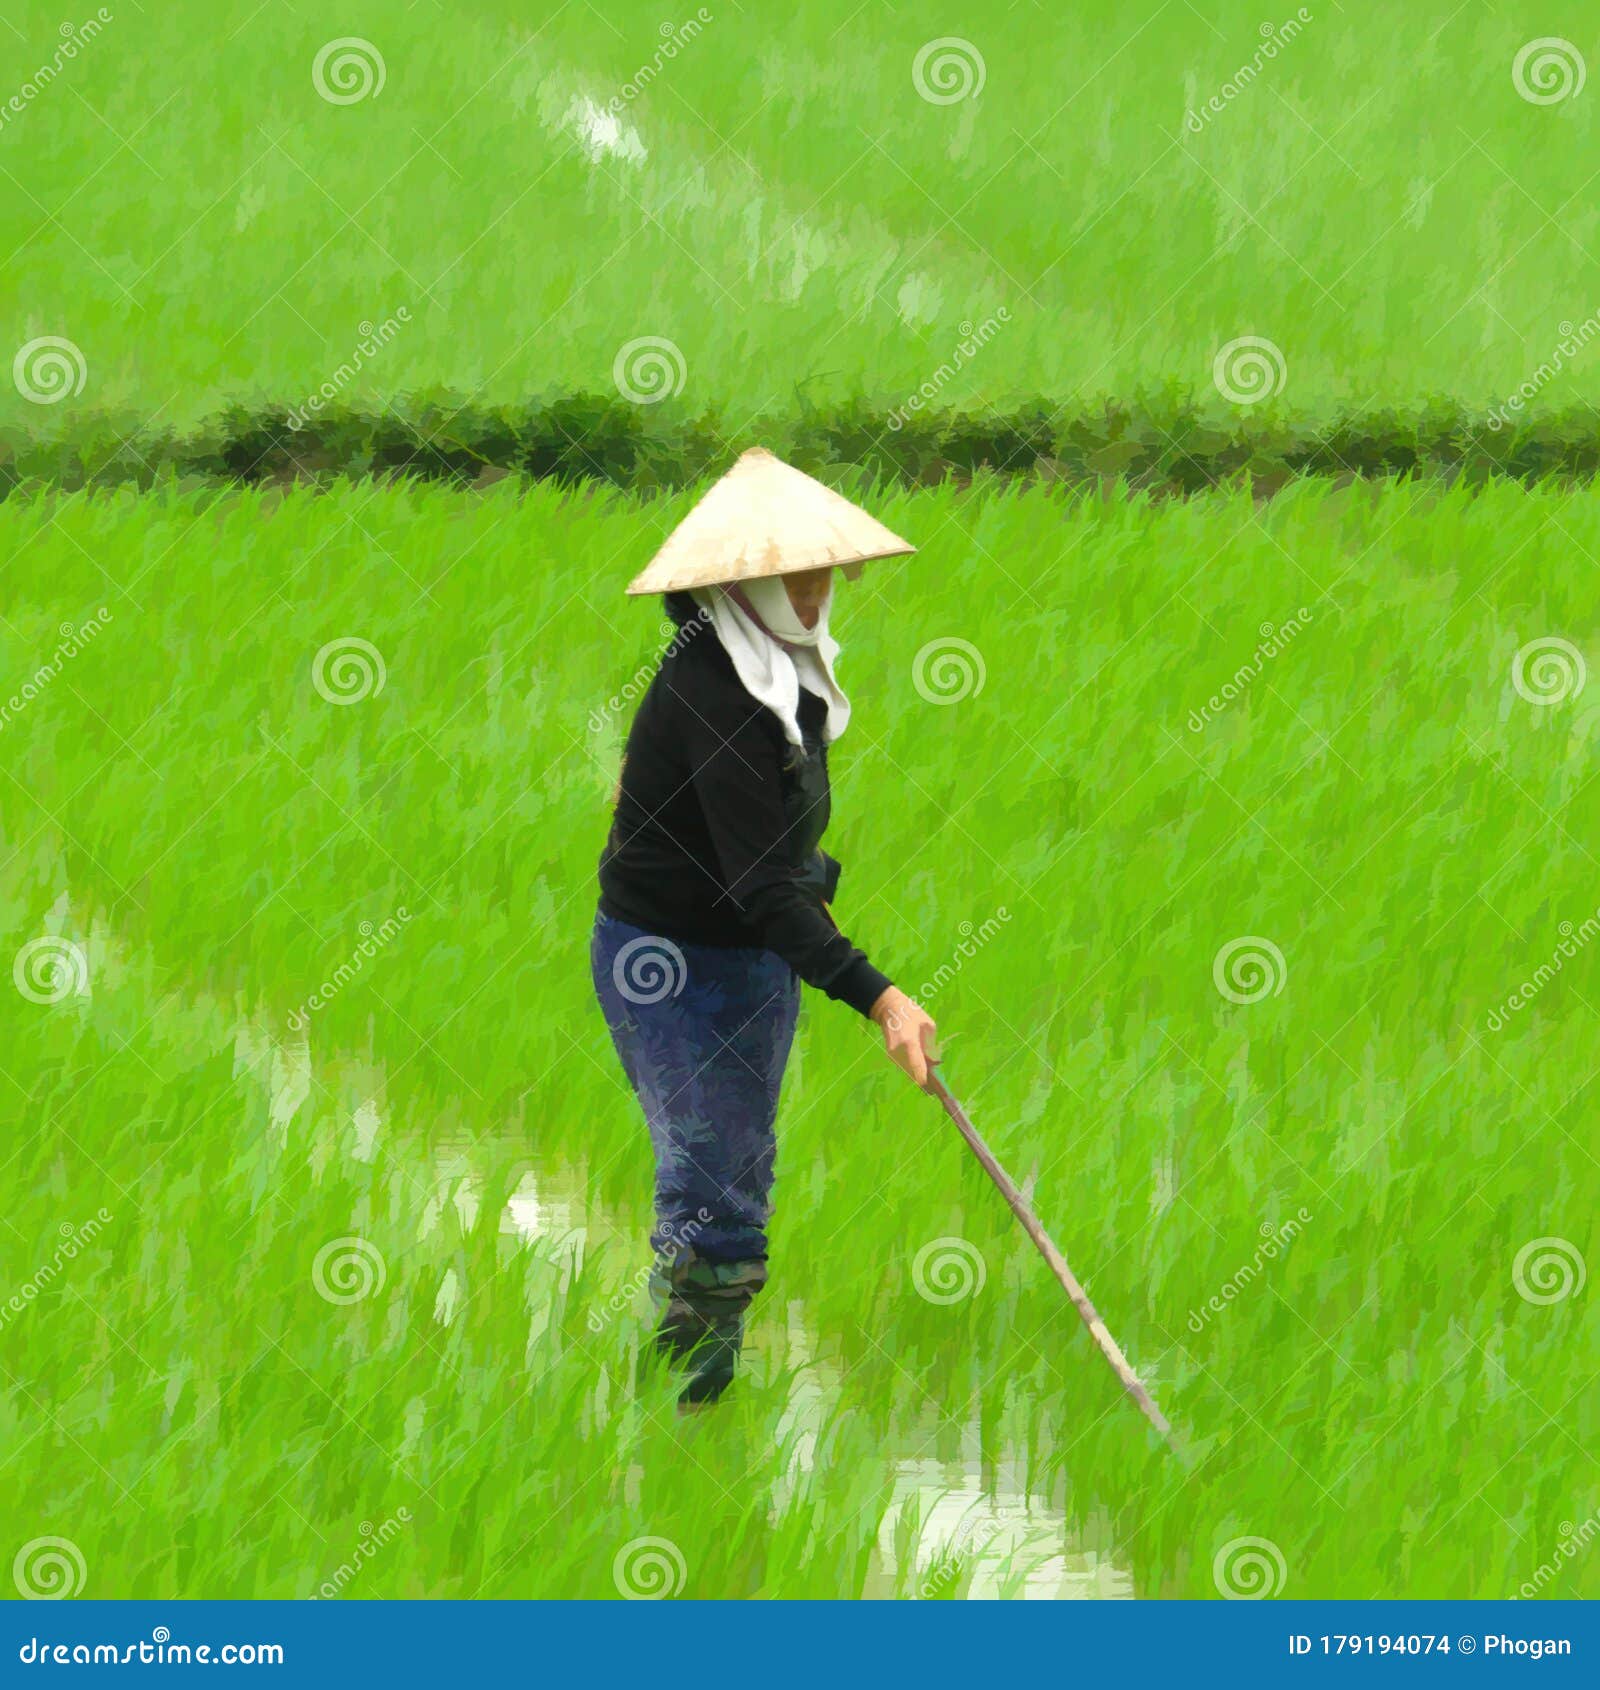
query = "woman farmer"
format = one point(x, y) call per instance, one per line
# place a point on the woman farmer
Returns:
point(714, 890)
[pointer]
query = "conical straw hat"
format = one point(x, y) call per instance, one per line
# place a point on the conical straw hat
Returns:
point(765, 517)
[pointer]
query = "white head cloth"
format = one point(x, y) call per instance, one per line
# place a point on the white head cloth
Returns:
point(775, 660)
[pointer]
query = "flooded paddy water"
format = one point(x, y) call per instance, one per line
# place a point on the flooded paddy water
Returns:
point(949, 1508)
point(965, 1526)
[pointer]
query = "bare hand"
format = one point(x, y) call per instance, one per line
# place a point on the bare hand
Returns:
point(908, 1034)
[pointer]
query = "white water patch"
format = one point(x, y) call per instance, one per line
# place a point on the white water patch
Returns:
point(785, 242)
point(533, 1213)
point(445, 1304)
point(985, 1543)
point(919, 300)
point(367, 1123)
point(552, 1227)
point(972, 1538)
point(283, 1068)
point(602, 134)
point(813, 1389)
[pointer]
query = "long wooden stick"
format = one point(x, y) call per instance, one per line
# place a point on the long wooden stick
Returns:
point(1058, 1264)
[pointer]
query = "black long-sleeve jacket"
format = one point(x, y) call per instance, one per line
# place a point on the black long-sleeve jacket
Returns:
point(715, 840)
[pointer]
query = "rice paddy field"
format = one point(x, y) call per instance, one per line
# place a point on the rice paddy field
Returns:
point(803, 209)
point(1244, 848)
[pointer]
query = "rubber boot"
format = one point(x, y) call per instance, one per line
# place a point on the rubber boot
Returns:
point(702, 1306)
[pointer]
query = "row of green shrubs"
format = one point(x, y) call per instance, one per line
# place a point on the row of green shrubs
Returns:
point(1168, 448)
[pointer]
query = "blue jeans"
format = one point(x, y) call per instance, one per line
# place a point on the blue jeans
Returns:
point(703, 1033)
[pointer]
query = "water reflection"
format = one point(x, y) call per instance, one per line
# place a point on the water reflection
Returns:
point(952, 1527)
